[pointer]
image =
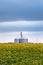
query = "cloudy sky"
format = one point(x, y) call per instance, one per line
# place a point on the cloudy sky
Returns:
point(21, 26)
point(21, 15)
point(11, 10)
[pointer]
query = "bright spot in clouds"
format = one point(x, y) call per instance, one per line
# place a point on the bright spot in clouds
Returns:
point(21, 23)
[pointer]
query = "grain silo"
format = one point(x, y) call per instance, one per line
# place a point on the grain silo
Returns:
point(16, 40)
point(21, 39)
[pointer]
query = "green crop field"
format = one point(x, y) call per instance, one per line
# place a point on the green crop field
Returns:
point(21, 54)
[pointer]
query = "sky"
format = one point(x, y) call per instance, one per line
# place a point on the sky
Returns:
point(17, 11)
point(36, 37)
point(21, 15)
point(11, 10)
point(21, 26)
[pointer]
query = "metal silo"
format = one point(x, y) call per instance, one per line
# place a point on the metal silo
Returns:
point(16, 40)
point(21, 39)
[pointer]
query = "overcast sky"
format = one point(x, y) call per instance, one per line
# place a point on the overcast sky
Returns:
point(26, 12)
point(21, 26)
point(21, 15)
point(21, 10)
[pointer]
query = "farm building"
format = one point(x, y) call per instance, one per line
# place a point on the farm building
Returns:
point(21, 40)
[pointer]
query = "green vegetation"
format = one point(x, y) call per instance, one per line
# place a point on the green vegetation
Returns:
point(11, 55)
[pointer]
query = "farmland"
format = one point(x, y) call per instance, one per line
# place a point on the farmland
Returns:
point(21, 54)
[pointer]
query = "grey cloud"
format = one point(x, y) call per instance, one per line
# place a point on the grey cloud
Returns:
point(11, 10)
